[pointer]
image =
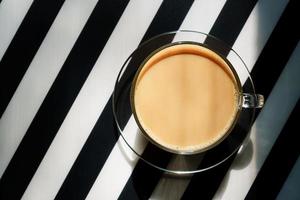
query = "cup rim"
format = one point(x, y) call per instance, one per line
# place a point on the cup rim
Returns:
point(197, 150)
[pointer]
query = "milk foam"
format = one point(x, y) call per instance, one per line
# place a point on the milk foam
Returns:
point(186, 97)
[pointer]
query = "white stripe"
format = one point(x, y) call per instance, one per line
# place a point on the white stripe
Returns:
point(290, 189)
point(122, 160)
point(202, 15)
point(248, 49)
point(172, 187)
point(12, 13)
point(257, 30)
point(91, 100)
point(264, 132)
point(255, 33)
point(40, 76)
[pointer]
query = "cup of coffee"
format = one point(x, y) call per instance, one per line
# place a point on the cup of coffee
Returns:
point(187, 96)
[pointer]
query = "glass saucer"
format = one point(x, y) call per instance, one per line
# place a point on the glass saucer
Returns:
point(150, 153)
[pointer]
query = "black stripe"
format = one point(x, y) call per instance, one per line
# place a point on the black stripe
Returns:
point(24, 46)
point(279, 162)
point(283, 29)
point(60, 98)
point(232, 19)
point(102, 138)
point(144, 177)
point(284, 36)
point(229, 13)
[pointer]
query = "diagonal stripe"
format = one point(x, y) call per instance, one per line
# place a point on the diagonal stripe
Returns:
point(278, 67)
point(232, 17)
point(283, 29)
point(257, 30)
point(267, 128)
point(290, 188)
point(231, 10)
point(91, 100)
point(92, 158)
point(280, 160)
point(25, 44)
point(60, 98)
point(12, 13)
point(108, 176)
point(40, 75)
point(202, 15)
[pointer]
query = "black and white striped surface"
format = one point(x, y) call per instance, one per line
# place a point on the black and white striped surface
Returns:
point(58, 63)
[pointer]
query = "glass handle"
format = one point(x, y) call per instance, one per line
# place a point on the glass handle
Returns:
point(252, 100)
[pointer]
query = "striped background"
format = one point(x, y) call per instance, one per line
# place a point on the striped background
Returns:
point(58, 63)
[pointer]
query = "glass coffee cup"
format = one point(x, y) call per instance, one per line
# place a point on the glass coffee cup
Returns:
point(177, 106)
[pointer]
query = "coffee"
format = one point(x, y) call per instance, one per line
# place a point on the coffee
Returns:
point(185, 97)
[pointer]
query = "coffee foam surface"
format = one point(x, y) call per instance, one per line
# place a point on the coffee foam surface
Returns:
point(185, 97)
